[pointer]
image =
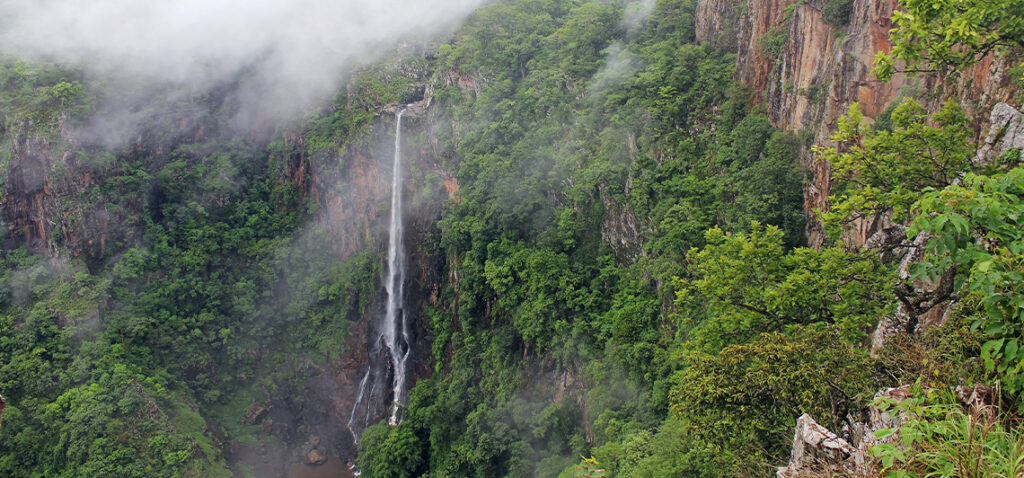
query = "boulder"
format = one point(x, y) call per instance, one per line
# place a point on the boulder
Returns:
point(315, 457)
point(1005, 134)
point(817, 451)
point(256, 414)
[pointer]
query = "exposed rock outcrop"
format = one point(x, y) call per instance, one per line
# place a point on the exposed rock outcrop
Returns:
point(820, 70)
point(312, 453)
point(352, 189)
point(817, 451)
point(55, 197)
point(1006, 133)
point(717, 22)
point(925, 303)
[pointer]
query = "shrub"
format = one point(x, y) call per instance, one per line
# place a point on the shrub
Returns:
point(837, 12)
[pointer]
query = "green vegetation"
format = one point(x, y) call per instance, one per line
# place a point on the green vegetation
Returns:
point(942, 439)
point(950, 34)
point(884, 171)
point(969, 215)
point(628, 289)
point(837, 12)
point(112, 361)
point(990, 208)
point(739, 402)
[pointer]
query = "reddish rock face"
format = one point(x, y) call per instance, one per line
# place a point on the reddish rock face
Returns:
point(50, 166)
point(821, 70)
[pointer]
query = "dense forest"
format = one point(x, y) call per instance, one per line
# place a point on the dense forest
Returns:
point(612, 272)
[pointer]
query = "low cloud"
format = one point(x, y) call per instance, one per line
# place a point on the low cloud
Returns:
point(285, 54)
point(636, 13)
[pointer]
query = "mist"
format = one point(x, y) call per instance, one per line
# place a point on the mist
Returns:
point(636, 13)
point(284, 55)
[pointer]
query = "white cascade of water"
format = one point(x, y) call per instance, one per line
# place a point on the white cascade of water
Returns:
point(393, 330)
point(355, 406)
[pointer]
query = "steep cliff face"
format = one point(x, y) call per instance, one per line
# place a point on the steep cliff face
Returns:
point(43, 179)
point(807, 73)
point(65, 194)
point(56, 196)
point(352, 191)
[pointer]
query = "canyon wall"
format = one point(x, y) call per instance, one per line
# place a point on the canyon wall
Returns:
point(63, 196)
point(807, 72)
point(55, 194)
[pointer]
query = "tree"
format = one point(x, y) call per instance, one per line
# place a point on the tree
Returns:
point(978, 227)
point(387, 451)
point(884, 172)
point(931, 35)
point(741, 402)
point(744, 284)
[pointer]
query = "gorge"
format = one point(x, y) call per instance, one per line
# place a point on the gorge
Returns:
point(560, 238)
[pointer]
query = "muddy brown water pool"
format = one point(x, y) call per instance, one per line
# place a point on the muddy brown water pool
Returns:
point(332, 468)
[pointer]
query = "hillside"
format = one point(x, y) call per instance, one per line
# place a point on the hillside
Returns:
point(637, 238)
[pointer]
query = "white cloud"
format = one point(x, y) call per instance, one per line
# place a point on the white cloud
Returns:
point(294, 51)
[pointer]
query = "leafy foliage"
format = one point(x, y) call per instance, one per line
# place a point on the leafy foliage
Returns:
point(590, 152)
point(113, 365)
point(884, 171)
point(977, 229)
point(942, 439)
point(943, 34)
point(391, 452)
point(744, 284)
point(741, 402)
point(837, 12)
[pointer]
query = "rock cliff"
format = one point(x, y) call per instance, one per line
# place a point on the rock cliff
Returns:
point(55, 196)
point(58, 199)
point(807, 73)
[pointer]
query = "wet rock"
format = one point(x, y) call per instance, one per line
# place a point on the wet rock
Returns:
point(817, 451)
point(315, 457)
point(312, 453)
point(215, 430)
point(717, 23)
point(418, 105)
point(1005, 134)
point(256, 414)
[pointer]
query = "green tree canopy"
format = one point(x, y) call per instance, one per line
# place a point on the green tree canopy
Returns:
point(934, 35)
point(744, 284)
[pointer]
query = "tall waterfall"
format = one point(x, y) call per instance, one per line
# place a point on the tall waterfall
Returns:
point(390, 350)
point(396, 331)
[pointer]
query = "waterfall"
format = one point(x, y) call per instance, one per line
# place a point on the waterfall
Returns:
point(389, 351)
point(395, 328)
